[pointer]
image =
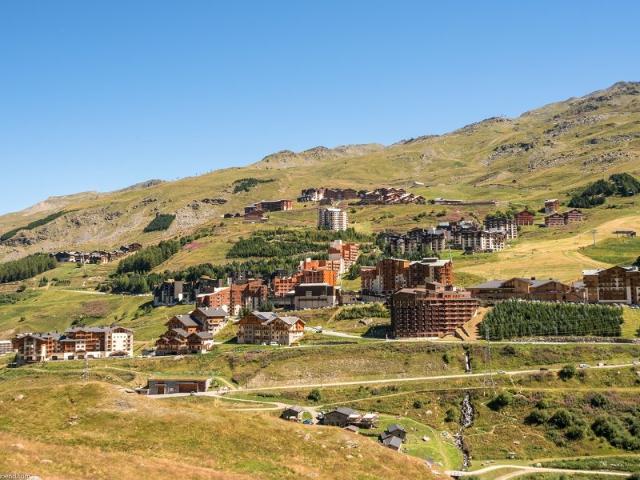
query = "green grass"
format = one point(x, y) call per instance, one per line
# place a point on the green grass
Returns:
point(435, 449)
point(616, 251)
point(631, 325)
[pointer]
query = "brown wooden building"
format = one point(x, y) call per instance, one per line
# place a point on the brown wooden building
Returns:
point(267, 327)
point(548, 290)
point(613, 285)
point(434, 311)
point(525, 217)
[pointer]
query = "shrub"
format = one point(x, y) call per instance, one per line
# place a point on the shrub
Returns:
point(562, 418)
point(536, 417)
point(574, 432)
point(417, 404)
point(501, 401)
point(314, 395)
point(598, 401)
point(451, 415)
point(567, 372)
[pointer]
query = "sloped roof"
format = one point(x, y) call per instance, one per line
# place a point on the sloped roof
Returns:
point(212, 312)
point(186, 320)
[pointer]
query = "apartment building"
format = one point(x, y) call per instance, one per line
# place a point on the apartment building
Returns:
point(613, 285)
point(331, 218)
point(507, 225)
point(482, 240)
point(315, 295)
point(391, 274)
point(74, 343)
point(191, 333)
point(432, 311)
point(267, 327)
point(269, 206)
point(544, 290)
point(247, 294)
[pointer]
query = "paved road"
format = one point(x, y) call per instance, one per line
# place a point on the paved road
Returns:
point(524, 470)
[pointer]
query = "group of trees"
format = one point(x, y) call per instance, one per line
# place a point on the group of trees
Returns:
point(32, 225)
point(134, 283)
point(148, 258)
point(26, 267)
point(162, 221)
point(528, 319)
point(283, 242)
point(246, 184)
point(621, 184)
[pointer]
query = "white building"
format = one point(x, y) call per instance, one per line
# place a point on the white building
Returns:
point(331, 218)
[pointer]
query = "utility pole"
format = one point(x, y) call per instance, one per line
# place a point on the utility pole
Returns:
point(85, 370)
point(594, 231)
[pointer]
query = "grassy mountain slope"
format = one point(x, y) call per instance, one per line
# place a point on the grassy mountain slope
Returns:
point(544, 152)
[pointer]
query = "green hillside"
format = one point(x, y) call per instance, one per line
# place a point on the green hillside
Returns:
point(545, 152)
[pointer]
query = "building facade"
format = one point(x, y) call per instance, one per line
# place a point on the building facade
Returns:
point(613, 285)
point(267, 327)
point(433, 311)
point(74, 343)
point(330, 218)
point(548, 290)
point(524, 218)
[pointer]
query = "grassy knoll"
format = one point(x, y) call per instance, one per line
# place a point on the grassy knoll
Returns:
point(616, 251)
point(422, 441)
point(93, 430)
point(56, 309)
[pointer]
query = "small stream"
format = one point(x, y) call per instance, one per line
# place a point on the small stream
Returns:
point(466, 417)
point(466, 420)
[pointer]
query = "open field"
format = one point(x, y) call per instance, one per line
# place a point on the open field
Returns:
point(559, 257)
point(60, 430)
point(616, 251)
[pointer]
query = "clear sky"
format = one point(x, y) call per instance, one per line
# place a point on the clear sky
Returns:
point(100, 95)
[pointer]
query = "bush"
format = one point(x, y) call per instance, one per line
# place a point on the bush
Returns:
point(162, 222)
point(598, 401)
point(501, 401)
point(574, 432)
point(567, 372)
point(562, 419)
point(614, 432)
point(314, 395)
point(363, 311)
point(451, 415)
point(417, 404)
point(536, 417)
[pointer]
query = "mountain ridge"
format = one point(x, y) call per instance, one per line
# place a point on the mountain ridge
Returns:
point(523, 158)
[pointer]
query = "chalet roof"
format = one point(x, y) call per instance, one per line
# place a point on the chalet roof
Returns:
point(394, 427)
point(186, 320)
point(489, 284)
point(212, 312)
point(180, 331)
point(290, 320)
point(345, 411)
point(392, 441)
point(203, 335)
point(295, 408)
point(264, 315)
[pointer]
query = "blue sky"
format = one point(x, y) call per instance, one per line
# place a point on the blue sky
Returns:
point(101, 95)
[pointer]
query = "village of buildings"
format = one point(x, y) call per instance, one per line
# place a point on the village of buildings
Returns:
point(421, 294)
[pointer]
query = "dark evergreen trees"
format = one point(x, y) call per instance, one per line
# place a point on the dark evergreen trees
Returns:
point(26, 267)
